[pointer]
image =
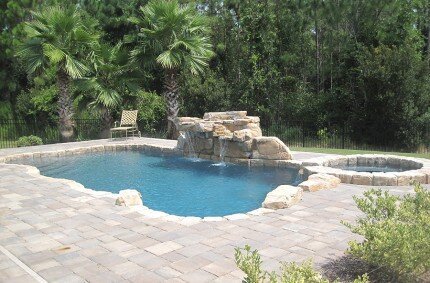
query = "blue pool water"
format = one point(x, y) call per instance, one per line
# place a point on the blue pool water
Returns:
point(175, 185)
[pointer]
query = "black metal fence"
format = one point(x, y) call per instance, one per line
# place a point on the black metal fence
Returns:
point(12, 130)
point(293, 133)
point(85, 129)
point(342, 136)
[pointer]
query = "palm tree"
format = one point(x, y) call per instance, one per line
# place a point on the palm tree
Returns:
point(175, 37)
point(59, 37)
point(110, 82)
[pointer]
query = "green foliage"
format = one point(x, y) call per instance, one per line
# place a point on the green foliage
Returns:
point(5, 110)
point(396, 231)
point(58, 37)
point(320, 61)
point(40, 100)
point(12, 76)
point(152, 112)
point(173, 34)
point(111, 80)
point(250, 263)
point(204, 93)
point(113, 16)
point(29, 141)
point(293, 273)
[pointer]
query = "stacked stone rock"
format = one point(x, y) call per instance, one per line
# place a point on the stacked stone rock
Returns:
point(242, 134)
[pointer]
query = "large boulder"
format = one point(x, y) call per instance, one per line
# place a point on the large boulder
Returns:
point(244, 135)
point(129, 198)
point(333, 181)
point(270, 148)
point(233, 149)
point(314, 185)
point(320, 181)
point(282, 197)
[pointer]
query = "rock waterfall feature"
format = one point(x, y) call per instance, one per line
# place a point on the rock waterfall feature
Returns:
point(229, 136)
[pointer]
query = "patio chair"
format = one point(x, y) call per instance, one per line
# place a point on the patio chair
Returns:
point(128, 124)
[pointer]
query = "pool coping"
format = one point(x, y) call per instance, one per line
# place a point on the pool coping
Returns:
point(162, 150)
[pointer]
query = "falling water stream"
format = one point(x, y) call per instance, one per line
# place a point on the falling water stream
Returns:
point(223, 145)
point(190, 143)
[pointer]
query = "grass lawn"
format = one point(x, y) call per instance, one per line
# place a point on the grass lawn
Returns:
point(352, 151)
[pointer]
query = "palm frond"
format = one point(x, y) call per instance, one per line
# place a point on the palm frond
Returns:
point(174, 35)
point(58, 36)
point(54, 54)
point(169, 59)
point(74, 68)
point(32, 55)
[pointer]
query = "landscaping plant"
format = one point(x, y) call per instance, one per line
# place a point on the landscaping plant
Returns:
point(250, 263)
point(29, 141)
point(396, 231)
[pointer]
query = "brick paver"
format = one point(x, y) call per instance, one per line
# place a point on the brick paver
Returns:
point(66, 235)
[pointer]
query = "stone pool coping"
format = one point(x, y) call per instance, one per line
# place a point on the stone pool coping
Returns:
point(158, 149)
point(419, 169)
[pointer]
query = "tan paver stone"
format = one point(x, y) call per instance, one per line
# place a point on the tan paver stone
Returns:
point(45, 265)
point(118, 246)
point(193, 250)
point(163, 248)
point(189, 264)
point(168, 272)
point(198, 276)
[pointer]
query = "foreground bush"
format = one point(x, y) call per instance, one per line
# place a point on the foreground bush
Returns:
point(396, 232)
point(29, 141)
point(250, 263)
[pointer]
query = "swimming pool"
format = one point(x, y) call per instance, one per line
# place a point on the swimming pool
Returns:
point(174, 185)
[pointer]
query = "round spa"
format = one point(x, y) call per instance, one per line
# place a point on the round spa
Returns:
point(372, 169)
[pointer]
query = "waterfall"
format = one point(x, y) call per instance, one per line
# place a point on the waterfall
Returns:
point(190, 143)
point(223, 144)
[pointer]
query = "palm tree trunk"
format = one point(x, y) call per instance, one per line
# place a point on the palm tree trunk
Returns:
point(171, 94)
point(106, 122)
point(65, 106)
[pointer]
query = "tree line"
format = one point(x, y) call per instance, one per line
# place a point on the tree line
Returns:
point(360, 63)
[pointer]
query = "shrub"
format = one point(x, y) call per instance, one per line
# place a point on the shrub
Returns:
point(29, 141)
point(396, 232)
point(250, 263)
point(152, 112)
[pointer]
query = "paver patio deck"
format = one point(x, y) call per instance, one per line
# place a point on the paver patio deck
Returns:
point(64, 235)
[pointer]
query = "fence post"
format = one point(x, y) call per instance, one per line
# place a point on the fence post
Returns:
point(303, 134)
point(343, 135)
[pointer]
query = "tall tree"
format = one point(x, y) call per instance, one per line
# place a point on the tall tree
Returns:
point(59, 37)
point(175, 37)
point(12, 77)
